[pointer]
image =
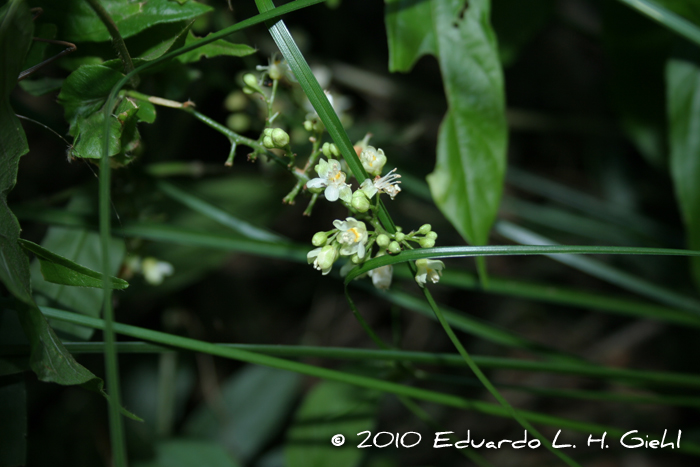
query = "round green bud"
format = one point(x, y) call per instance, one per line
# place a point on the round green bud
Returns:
point(319, 239)
point(399, 236)
point(356, 259)
point(280, 137)
point(327, 257)
point(424, 229)
point(431, 235)
point(383, 240)
point(308, 125)
point(334, 150)
point(252, 82)
point(268, 143)
point(394, 248)
point(399, 228)
point(267, 132)
point(248, 91)
point(326, 149)
point(360, 201)
point(426, 242)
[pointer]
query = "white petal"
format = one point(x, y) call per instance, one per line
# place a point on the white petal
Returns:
point(346, 193)
point(331, 193)
point(316, 183)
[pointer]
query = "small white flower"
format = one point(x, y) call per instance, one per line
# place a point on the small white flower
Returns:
point(387, 184)
point(155, 271)
point(373, 160)
point(323, 258)
point(331, 177)
point(381, 277)
point(428, 269)
point(277, 68)
point(352, 236)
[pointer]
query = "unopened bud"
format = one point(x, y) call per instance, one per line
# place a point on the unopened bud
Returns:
point(383, 240)
point(399, 236)
point(326, 149)
point(424, 229)
point(360, 201)
point(431, 235)
point(394, 247)
point(319, 239)
point(280, 137)
point(334, 150)
point(252, 82)
point(268, 143)
point(426, 242)
point(308, 125)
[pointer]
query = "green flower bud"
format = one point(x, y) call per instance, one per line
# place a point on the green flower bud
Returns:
point(334, 150)
point(280, 137)
point(267, 132)
point(326, 149)
point(424, 229)
point(308, 125)
point(399, 236)
point(327, 257)
point(319, 239)
point(248, 91)
point(383, 240)
point(356, 259)
point(431, 235)
point(252, 82)
point(268, 143)
point(394, 248)
point(426, 242)
point(360, 201)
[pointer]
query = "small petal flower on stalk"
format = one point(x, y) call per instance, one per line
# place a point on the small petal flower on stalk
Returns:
point(352, 236)
point(333, 179)
point(155, 271)
point(373, 160)
point(387, 184)
point(428, 269)
point(277, 68)
point(323, 258)
point(381, 276)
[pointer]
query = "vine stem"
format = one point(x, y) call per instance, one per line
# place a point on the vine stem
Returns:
point(117, 39)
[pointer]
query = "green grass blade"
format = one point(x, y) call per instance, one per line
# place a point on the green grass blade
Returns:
point(666, 17)
point(608, 273)
point(566, 296)
point(636, 377)
point(219, 215)
point(515, 414)
point(350, 378)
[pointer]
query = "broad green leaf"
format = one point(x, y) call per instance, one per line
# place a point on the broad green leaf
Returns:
point(88, 139)
point(85, 91)
point(15, 37)
point(79, 23)
point(256, 401)
point(13, 421)
point(50, 360)
point(331, 408)
point(60, 270)
point(638, 48)
point(41, 86)
point(683, 84)
point(123, 134)
point(215, 49)
point(471, 155)
point(409, 33)
point(83, 247)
